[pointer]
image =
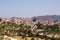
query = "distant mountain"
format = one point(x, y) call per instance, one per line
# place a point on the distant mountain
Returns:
point(47, 17)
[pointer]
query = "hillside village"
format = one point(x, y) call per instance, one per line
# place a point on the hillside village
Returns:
point(29, 28)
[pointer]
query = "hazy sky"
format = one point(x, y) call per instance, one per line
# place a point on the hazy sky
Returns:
point(29, 8)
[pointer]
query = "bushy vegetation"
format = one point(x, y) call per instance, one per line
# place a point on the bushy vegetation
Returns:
point(12, 29)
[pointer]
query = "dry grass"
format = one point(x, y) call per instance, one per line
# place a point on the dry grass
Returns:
point(20, 38)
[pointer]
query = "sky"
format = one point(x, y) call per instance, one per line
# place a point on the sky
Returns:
point(29, 8)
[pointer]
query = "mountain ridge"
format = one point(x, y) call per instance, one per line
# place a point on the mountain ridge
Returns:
point(47, 17)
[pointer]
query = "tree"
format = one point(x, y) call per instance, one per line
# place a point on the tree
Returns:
point(39, 26)
point(0, 19)
point(55, 27)
point(34, 20)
